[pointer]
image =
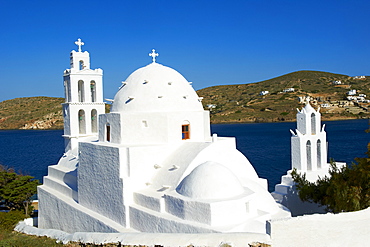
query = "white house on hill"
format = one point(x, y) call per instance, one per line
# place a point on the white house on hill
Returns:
point(151, 164)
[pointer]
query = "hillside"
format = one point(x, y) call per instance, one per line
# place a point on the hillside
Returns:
point(243, 102)
point(31, 113)
point(227, 104)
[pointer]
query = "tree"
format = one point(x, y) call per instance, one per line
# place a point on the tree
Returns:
point(346, 189)
point(16, 190)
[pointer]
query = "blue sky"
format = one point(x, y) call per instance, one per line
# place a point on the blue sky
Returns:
point(209, 42)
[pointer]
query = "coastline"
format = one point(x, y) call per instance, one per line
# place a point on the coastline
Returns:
point(323, 118)
point(242, 121)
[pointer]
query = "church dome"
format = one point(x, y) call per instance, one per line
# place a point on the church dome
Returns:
point(208, 181)
point(156, 88)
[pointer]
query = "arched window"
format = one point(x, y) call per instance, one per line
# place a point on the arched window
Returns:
point(107, 127)
point(318, 154)
point(309, 158)
point(81, 94)
point(313, 124)
point(94, 121)
point(66, 93)
point(81, 65)
point(185, 129)
point(81, 122)
point(93, 91)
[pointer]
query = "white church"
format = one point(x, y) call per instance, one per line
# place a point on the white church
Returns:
point(151, 164)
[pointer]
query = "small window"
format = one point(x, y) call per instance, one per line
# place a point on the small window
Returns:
point(81, 65)
point(81, 122)
point(108, 132)
point(313, 124)
point(66, 91)
point(185, 131)
point(93, 91)
point(318, 146)
point(309, 156)
point(94, 121)
point(81, 92)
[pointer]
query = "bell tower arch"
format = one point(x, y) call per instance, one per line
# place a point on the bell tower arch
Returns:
point(83, 88)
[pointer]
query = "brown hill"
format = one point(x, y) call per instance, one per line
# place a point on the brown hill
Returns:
point(244, 102)
point(31, 113)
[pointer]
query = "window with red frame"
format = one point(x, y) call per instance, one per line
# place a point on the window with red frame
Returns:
point(185, 131)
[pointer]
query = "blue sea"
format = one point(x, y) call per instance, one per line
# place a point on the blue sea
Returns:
point(266, 145)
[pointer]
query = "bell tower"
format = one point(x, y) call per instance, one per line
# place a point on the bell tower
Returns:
point(308, 146)
point(83, 89)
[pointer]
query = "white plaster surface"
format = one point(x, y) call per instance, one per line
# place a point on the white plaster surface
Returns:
point(156, 88)
point(57, 211)
point(329, 230)
point(148, 239)
point(203, 184)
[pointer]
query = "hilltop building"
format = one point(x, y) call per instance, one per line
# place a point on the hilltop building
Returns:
point(308, 156)
point(359, 77)
point(151, 164)
point(352, 92)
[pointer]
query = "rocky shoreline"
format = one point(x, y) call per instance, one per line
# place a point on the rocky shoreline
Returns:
point(256, 120)
point(49, 121)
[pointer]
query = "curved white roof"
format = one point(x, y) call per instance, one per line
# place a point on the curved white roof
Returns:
point(210, 180)
point(156, 88)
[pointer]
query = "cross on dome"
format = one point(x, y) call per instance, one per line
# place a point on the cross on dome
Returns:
point(79, 43)
point(153, 55)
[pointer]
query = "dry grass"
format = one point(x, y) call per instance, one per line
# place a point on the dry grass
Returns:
point(242, 103)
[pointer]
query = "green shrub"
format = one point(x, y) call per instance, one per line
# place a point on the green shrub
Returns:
point(18, 239)
point(8, 220)
point(16, 190)
point(346, 189)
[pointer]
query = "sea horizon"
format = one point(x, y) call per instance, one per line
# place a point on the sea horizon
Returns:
point(266, 145)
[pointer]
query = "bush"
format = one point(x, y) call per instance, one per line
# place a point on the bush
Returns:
point(8, 220)
point(18, 239)
point(16, 190)
point(347, 189)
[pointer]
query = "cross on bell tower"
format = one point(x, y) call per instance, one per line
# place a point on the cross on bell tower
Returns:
point(80, 60)
point(79, 43)
point(153, 55)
